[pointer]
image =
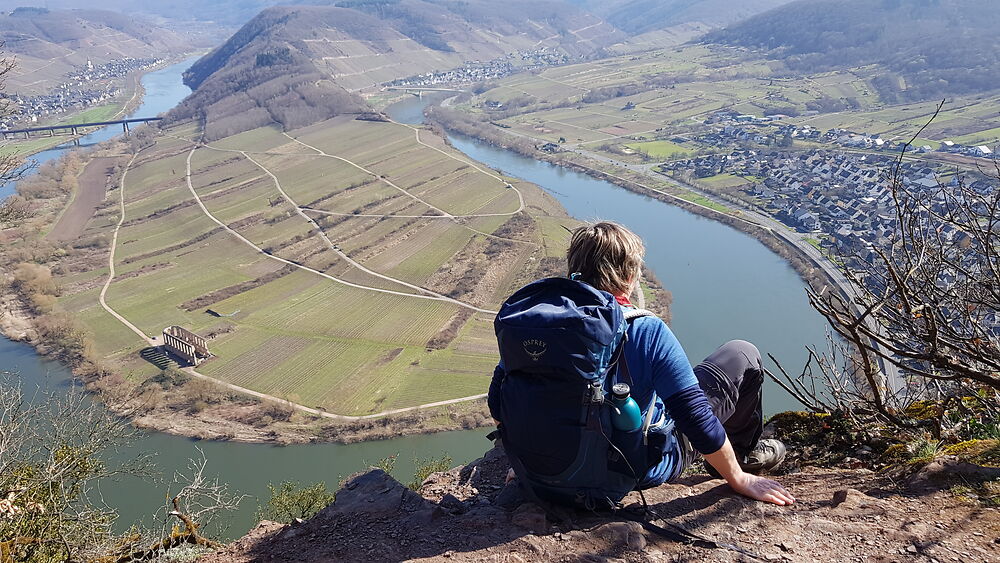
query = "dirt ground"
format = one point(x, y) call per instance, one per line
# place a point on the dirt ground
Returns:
point(467, 514)
point(93, 183)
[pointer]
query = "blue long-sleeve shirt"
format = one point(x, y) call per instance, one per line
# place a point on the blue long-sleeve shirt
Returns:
point(657, 363)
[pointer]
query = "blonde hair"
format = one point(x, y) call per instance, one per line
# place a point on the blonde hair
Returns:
point(606, 255)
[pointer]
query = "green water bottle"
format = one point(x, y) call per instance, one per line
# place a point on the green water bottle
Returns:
point(625, 414)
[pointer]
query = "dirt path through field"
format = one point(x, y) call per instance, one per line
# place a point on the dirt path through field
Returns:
point(93, 184)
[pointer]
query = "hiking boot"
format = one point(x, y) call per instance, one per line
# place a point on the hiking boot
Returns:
point(767, 455)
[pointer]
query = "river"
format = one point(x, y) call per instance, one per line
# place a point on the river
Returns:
point(725, 284)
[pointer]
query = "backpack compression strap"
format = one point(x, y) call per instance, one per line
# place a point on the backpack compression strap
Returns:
point(632, 313)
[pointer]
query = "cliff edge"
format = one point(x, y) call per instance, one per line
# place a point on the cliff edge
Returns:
point(468, 514)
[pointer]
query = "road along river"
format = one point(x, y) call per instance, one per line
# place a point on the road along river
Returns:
point(725, 284)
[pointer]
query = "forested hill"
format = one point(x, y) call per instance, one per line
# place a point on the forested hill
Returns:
point(931, 48)
point(640, 16)
point(49, 44)
point(296, 65)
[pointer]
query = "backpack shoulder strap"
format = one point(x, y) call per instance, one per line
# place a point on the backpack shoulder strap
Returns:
point(634, 313)
point(630, 314)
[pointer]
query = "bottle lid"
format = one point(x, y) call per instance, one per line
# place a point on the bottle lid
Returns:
point(620, 390)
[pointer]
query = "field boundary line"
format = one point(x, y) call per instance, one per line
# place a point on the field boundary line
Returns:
point(250, 243)
point(365, 170)
point(446, 215)
point(473, 164)
point(350, 260)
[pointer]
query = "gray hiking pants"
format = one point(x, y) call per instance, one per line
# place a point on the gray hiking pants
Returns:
point(732, 378)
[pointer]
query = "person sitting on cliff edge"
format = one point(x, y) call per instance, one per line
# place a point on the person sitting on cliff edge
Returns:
point(713, 409)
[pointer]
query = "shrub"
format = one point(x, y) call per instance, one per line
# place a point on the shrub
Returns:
point(425, 467)
point(280, 411)
point(169, 378)
point(42, 303)
point(96, 241)
point(63, 340)
point(386, 464)
point(289, 501)
point(34, 278)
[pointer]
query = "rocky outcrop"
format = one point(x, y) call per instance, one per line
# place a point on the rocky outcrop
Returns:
point(469, 514)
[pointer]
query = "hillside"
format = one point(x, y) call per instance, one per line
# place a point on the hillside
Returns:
point(932, 48)
point(298, 65)
point(642, 16)
point(48, 45)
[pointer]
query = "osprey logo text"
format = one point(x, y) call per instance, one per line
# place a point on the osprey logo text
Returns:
point(535, 348)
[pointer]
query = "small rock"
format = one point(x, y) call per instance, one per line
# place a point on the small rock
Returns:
point(530, 517)
point(535, 544)
point(623, 535)
point(912, 549)
point(852, 463)
point(636, 541)
point(451, 503)
point(510, 497)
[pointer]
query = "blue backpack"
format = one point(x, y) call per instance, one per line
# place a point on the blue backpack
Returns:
point(561, 348)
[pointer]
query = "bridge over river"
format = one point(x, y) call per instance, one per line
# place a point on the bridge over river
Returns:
point(74, 128)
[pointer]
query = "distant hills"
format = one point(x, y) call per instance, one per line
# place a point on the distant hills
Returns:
point(230, 13)
point(296, 65)
point(930, 48)
point(630, 16)
point(49, 44)
point(641, 16)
